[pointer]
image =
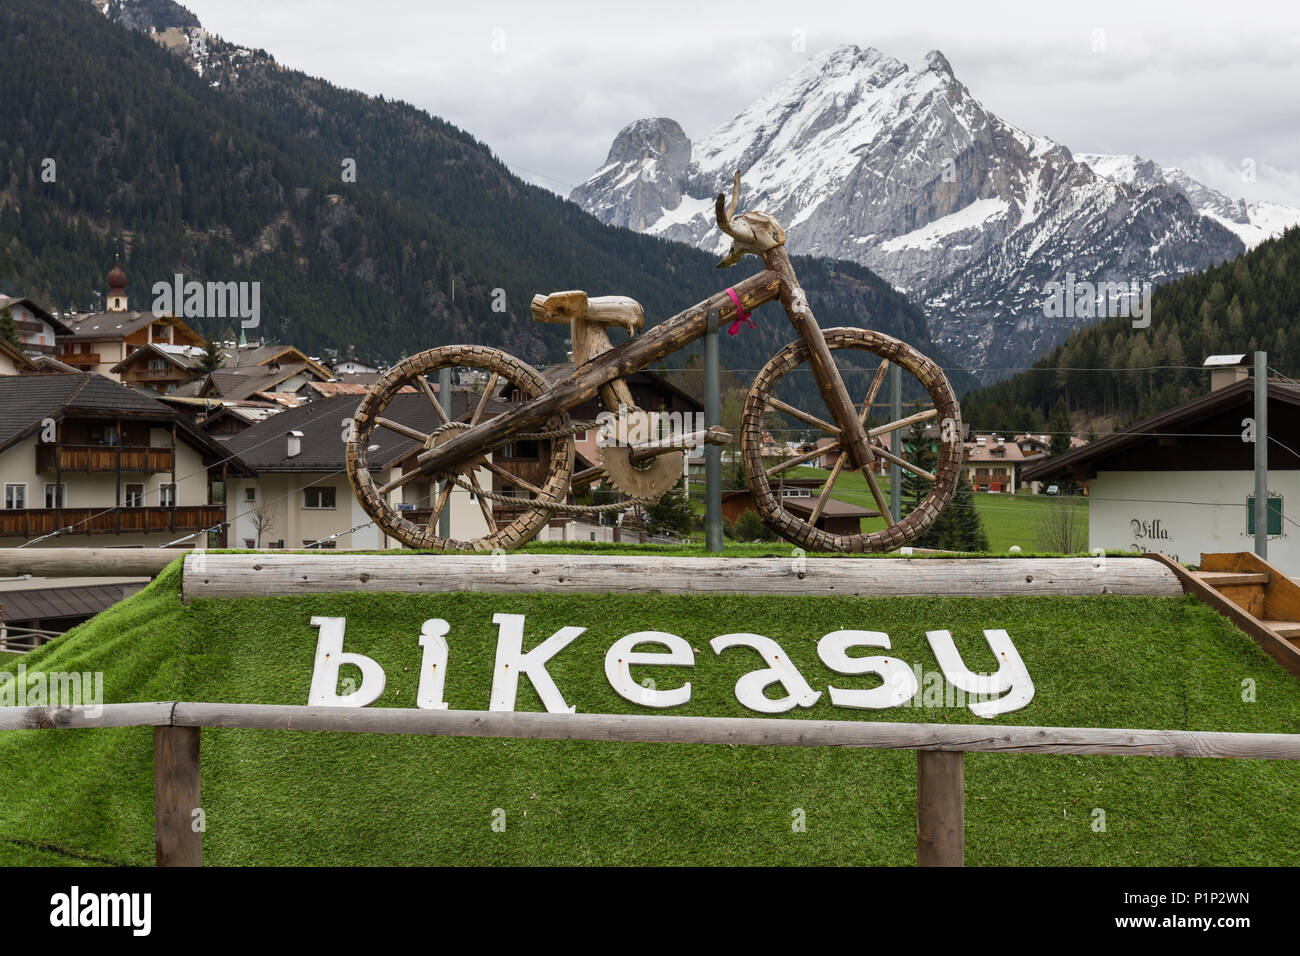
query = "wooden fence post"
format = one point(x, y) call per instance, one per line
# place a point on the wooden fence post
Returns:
point(177, 840)
point(940, 808)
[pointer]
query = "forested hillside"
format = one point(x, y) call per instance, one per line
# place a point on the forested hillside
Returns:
point(1112, 369)
point(238, 175)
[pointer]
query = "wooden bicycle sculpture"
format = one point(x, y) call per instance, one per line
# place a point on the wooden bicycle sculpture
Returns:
point(463, 451)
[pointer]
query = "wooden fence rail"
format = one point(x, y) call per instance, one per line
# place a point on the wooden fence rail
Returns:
point(940, 820)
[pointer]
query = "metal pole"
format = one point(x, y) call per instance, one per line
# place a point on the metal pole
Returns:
point(712, 453)
point(895, 473)
point(444, 399)
point(1261, 454)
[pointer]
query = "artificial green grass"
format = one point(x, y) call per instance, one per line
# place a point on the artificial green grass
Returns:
point(85, 797)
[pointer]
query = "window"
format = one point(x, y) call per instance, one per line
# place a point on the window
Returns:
point(1274, 522)
point(167, 496)
point(249, 544)
point(15, 496)
point(135, 496)
point(796, 493)
point(318, 498)
point(315, 546)
point(56, 496)
point(250, 494)
point(104, 434)
point(521, 450)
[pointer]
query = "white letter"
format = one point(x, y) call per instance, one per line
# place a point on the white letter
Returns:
point(1011, 674)
point(329, 658)
point(59, 915)
point(433, 668)
point(511, 662)
point(622, 655)
point(899, 682)
point(749, 689)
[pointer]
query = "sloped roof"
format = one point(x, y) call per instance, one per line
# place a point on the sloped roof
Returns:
point(242, 383)
point(40, 604)
point(59, 326)
point(29, 399)
point(264, 445)
point(185, 357)
point(20, 359)
point(100, 325)
point(258, 355)
point(1091, 454)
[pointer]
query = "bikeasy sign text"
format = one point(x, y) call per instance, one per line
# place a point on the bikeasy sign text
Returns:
point(1009, 688)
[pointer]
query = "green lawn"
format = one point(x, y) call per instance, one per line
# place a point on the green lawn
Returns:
point(85, 797)
point(1009, 520)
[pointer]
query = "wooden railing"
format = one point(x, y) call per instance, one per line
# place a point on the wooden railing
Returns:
point(940, 748)
point(128, 458)
point(20, 640)
point(32, 522)
point(79, 358)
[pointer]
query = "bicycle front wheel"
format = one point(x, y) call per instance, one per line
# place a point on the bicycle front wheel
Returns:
point(805, 521)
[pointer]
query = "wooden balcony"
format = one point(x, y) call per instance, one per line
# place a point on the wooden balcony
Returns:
point(33, 522)
point(127, 458)
point(79, 358)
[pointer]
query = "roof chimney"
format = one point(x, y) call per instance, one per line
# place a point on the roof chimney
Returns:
point(295, 444)
point(1226, 370)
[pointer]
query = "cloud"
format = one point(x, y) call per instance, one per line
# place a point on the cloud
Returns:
point(548, 86)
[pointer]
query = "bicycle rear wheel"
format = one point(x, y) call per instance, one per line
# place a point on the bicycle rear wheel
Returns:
point(535, 473)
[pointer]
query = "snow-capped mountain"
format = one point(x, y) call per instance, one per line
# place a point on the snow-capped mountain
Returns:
point(1252, 222)
point(904, 171)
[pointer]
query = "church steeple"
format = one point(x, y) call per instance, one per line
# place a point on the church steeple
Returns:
point(116, 287)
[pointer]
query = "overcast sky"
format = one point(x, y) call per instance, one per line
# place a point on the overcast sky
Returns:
point(547, 84)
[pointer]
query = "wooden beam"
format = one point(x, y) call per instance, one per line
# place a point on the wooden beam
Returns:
point(940, 808)
point(178, 841)
point(260, 574)
point(70, 718)
point(86, 562)
point(756, 731)
point(659, 728)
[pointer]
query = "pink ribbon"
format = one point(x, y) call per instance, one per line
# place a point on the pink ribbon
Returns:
point(742, 317)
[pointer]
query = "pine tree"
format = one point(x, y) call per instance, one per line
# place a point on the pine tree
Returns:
point(960, 527)
point(8, 331)
point(918, 452)
point(212, 358)
point(671, 514)
point(1059, 426)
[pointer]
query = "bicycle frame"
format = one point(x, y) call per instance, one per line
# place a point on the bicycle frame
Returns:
point(586, 381)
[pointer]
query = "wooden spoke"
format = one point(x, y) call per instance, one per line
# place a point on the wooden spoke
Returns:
point(903, 463)
point(403, 478)
point(903, 423)
point(800, 459)
point(433, 399)
point(487, 394)
point(483, 504)
point(803, 416)
point(587, 476)
point(513, 479)
point(877, 380)
point(880, 499)
point(826, 489)
point(443, 497)
point(401, 429)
